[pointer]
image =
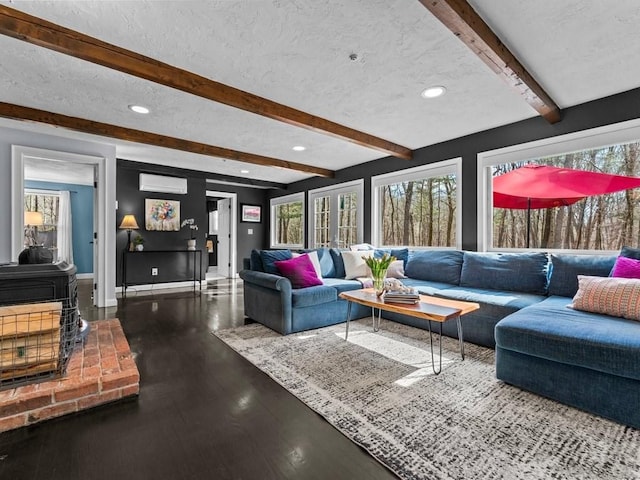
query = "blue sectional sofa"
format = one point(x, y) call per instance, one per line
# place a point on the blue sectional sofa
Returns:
point(587, 360)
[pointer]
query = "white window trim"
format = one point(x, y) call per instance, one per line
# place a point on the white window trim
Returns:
point(294, 197)
point(444, 167)
point(586, 139)
point(335, 190)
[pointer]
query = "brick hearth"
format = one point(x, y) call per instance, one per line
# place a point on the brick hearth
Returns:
point(99, 372)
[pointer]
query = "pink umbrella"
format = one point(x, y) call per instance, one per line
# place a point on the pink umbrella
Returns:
point(542, 186)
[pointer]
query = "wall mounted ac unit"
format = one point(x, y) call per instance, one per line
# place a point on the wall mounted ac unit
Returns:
point(160, 183)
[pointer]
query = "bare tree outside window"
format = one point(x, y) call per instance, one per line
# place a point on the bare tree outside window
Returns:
point(420, 212)
point(49, 206)
point(289, 223)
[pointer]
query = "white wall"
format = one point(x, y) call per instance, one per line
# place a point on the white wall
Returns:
point(10, 137)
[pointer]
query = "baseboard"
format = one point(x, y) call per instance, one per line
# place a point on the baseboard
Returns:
point(83, 276)
point(160, 286)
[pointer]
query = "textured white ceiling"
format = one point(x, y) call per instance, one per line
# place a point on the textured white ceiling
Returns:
point(296, 52)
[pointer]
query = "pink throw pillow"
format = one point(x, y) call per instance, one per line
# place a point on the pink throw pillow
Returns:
point(299, 271)
point(626, 268)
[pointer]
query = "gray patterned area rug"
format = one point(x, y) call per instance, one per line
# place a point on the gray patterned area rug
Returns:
point(380, 391)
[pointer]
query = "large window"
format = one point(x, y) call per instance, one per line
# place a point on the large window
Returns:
point(287, 221)
point(336, 214)
point(419, 207)
point(596, 222)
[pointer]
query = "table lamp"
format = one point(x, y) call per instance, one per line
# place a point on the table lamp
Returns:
point(32, 220)
point(129, 223)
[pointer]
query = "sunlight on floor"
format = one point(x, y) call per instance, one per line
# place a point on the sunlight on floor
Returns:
point(419, 358)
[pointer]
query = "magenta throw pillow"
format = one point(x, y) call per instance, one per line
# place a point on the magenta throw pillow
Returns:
point(299, 271)
point(626, 268)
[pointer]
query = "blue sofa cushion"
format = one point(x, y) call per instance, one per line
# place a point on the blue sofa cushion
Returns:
point(327, 267)
point(307, 297)
point(425, 287)
point(566, 268)
point(338, 262)
point(552, 331)
point(503, 302)
point(514, 272)
point(255, 261)
point(269, 257)
point(399, 253)
point(342, 285)
point(435, 265)
point(630, 252)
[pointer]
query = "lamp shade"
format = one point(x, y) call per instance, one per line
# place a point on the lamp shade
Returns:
point(129, 223)
point(35, 219)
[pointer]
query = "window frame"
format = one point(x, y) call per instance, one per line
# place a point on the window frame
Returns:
point(333, 192)
point(273, 203)
point(436, 169)
point(599, 137)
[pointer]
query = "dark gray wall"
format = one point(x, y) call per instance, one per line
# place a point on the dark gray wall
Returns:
point(192, 205)
point(617, 108)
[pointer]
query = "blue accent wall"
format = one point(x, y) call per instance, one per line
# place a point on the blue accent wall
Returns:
point(82, 218)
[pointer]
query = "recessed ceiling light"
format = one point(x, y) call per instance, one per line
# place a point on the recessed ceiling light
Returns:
point(244, 171)
point(138, 109)
point(299, 148)
point(433, 92)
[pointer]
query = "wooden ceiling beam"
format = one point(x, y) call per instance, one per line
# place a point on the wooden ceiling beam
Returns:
point(459, 17)
point(17, 112)
point(37, 31)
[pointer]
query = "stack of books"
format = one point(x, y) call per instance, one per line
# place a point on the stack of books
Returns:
point(410, 297)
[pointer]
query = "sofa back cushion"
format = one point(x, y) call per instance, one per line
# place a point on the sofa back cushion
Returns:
point(327, 266)
point(338, 262)
point(566, 268)
point(399, 253)
point(515, 272)
point(269, 257)
point(435, 265)
point(255, 261)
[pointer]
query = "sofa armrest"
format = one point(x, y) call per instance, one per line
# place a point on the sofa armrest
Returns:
point(267, 280)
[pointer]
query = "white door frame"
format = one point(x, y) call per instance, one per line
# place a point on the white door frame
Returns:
point(233, 228)
point(104, 278)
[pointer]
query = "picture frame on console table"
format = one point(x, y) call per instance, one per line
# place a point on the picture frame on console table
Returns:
point(250, 213)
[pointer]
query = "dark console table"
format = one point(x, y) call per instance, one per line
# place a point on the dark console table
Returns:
point(171, 265)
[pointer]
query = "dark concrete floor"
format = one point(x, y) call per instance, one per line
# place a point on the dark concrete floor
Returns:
point(203, 411)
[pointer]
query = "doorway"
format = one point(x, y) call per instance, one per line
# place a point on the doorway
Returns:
point(223, 236)
point(64, 168)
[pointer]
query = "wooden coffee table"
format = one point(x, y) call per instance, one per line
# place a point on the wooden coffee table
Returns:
point(431, 309)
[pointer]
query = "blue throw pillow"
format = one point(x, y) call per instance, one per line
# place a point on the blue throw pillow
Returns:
point(399, 253)
point(327, 267)
point(338, 262)
point(435, 266)
point(566, 268)
point(512, 272)
point(269, 257)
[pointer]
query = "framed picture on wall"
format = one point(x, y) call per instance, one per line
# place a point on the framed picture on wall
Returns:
point(251, 213)
point(162, 215)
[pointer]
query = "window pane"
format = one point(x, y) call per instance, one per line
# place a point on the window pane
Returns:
point(322, 211)
point(420, 212)
point(599, 222)
point(48, 205)
point(347, 219)
point(288, 223)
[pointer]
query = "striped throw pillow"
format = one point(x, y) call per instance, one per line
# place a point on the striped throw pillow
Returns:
point(618, 297)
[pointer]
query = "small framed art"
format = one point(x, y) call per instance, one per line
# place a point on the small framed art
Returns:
point(251, 213)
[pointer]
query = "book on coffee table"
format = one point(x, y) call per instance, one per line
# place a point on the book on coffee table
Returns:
point(400, 297)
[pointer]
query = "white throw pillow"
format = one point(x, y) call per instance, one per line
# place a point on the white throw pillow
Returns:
point(313, 256)
point(396, 269)
point(354, 264)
